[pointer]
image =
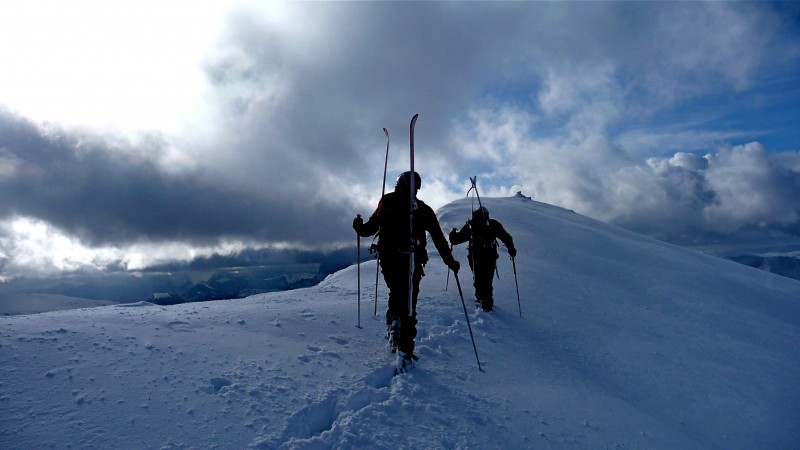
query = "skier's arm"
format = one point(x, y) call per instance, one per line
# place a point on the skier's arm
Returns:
point(503, 235)
point(460, 236)
point(372, 226)
point(437, 236)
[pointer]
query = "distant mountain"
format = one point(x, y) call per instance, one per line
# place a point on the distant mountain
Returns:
point(24, 303)
point(246, 281)
point(778, 254)
point(787, 266)
point(34, 295)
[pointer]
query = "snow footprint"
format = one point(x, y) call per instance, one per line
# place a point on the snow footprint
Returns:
point(318, 420)
point(338, 340)
point(179, 326)
point(217, 384)
point(316, 353)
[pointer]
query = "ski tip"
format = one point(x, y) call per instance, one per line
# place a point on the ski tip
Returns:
point(414, 119)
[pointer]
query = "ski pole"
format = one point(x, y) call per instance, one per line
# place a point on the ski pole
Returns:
point(447, 283)
point(514, 265)
point(461, 294)
point(377, 271)
point(358, 263)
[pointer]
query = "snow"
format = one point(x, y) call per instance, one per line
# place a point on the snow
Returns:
point(624, 342)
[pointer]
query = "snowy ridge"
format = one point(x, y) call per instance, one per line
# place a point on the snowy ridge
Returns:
point(624, 342)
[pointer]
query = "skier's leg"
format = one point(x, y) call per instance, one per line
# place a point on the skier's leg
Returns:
point(408, 323)
point(484, 273)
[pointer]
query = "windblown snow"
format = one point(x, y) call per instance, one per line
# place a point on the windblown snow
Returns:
point(623, 342)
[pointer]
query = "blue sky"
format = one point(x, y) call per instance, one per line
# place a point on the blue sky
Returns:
point(152, 131)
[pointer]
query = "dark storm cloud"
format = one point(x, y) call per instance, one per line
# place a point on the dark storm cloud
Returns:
point(108, 191)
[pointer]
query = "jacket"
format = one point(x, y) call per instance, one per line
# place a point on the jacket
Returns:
point(391, 222)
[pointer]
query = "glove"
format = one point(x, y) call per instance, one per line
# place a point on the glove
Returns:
point(358, 222)
point(454, 266)
point(453, 235)
point(512, 252)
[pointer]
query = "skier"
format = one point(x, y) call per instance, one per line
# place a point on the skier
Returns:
point(482, 233)
point(391, 221)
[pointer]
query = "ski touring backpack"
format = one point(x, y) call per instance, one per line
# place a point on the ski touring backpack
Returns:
point(481, 236)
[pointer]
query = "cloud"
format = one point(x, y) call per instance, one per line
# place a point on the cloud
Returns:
point(107, 190)
point(754, 189)
point(315, 97)
point(684, 197)
point(566, 101)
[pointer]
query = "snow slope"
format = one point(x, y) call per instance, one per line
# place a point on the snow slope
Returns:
point(625, 342)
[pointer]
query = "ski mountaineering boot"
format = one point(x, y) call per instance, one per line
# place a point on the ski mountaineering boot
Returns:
point(404, 362)
point(393, 334)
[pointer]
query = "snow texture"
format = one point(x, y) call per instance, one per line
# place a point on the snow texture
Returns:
point(624, 342)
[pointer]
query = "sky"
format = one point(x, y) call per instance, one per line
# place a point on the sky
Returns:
point(618, 341)
point(138, 133)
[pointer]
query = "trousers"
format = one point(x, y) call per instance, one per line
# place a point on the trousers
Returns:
point(395, 273)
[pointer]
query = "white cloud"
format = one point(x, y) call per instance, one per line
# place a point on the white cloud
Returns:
point(689, 161)
point(752, 190)
point(729, 190)
point(123, 65)
point(33, 245)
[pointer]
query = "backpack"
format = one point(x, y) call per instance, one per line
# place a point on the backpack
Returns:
point(481, 236)
point(394, 231)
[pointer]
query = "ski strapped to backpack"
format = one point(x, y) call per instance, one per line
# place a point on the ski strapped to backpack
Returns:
point(411, 206)
point(474, 181)
point(482, 243)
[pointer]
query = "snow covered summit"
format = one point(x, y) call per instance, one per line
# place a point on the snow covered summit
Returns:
point(624, 341)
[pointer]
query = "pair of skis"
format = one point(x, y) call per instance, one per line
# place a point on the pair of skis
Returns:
point(410, 221)
point(411, 207)
point(410, 224)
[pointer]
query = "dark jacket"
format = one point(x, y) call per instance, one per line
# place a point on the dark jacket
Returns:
point(482, 236)
point(391, 221)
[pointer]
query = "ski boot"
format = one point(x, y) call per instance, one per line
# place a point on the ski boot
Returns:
point(393, 334)
point(403, 363)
